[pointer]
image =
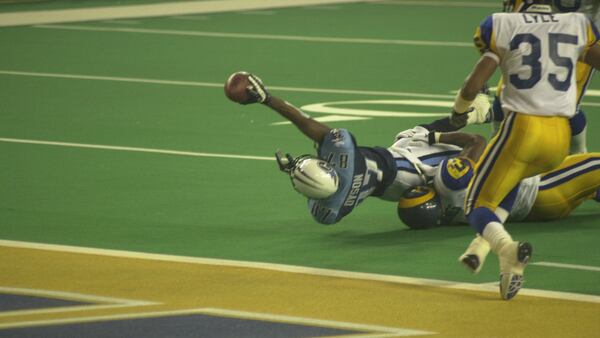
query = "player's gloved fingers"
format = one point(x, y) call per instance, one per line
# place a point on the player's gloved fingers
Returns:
point(256, 79)
point(459, 120)
point(259, 88)
point(253, 96)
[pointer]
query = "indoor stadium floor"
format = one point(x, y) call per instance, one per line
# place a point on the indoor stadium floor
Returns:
point(131, 188)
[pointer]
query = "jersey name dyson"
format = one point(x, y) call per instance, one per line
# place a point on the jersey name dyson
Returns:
point(357, 182)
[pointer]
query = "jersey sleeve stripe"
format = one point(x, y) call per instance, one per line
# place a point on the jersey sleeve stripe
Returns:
point(593, 34)
point(483, 38)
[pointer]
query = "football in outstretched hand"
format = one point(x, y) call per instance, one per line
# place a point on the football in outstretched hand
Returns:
point(235, 87)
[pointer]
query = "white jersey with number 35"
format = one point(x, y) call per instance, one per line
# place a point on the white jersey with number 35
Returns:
point(537, 53)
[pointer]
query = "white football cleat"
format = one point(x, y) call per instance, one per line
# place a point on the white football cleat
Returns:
point(475, 255)
point(513, 259)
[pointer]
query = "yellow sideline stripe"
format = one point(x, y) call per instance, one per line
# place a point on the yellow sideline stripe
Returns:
point(185, 285)
point(297, 269)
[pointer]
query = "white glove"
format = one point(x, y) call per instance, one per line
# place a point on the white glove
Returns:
point(409, 133)
point(481, 110)
point(419, 137)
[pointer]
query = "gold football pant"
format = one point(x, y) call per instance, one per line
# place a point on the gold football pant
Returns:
point(566, 187)
point(525, 146)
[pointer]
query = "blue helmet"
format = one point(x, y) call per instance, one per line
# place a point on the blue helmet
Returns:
point(420, 208)
point(567, 5)
point(522, 5)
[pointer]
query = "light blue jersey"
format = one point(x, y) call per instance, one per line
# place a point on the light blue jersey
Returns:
point(362, 172)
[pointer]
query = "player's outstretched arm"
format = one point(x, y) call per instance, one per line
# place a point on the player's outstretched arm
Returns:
point(245, 88)
point(315, 130)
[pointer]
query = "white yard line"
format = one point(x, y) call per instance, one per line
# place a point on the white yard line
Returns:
point(121, 22)
point(151, 10)
point(319, 39)
point(135, 149)
point(190, 17)
point(257, 13)
point(299, 269)
point(567, 266)
point(220, 85)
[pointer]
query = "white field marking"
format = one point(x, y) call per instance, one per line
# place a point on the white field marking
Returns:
point(590, 104)
point(298, 269)
point(317, 322)
point(73, 296)
point(135, 149)
point(257, 13)
point(151, 10)
point(567, 266)
point(592, 92)
point(125, 22)
point(259, 36)
point(588, 92)
point(441, 3)
point(326, 8)
point(62, 309)
point(220, 85)
point(189, 17)
point(327, 118)
point(225, 313)
point(325, 108)
point(108, 302)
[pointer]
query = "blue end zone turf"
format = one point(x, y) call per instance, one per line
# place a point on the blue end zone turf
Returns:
point(12, 302)
point(183, 326)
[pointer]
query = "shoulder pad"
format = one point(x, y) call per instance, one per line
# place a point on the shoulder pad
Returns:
point(454, 173)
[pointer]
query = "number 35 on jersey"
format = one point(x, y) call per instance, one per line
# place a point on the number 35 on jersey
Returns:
point(538, 53)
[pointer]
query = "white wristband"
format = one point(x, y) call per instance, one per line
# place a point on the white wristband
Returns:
point(461, 105)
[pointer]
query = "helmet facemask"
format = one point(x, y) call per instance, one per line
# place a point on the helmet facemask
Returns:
point(310, 176)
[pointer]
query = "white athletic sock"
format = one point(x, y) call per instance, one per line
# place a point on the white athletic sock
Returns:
point(496, 235)
point(578, 143)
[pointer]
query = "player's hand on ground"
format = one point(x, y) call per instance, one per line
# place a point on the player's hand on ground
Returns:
point(256, 90)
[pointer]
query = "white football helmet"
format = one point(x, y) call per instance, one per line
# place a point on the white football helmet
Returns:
point(314, 177)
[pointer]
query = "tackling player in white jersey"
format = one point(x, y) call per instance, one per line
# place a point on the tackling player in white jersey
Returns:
point(546, 197)
point(536, 52)
point(583, 72)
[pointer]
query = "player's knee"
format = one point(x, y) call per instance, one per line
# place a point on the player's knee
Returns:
point(577, 123)
point(480, 217)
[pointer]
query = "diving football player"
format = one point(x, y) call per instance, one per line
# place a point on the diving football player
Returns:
point(343, 174)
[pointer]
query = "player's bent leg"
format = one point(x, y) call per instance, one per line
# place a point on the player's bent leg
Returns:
point(525, 146)
point(562, 190)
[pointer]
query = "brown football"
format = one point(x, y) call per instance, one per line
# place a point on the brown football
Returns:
point(235, 87)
